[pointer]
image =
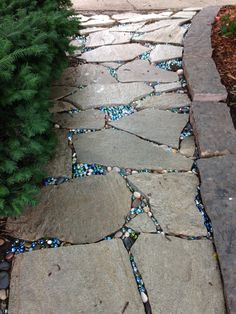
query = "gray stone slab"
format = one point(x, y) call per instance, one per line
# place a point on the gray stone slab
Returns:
point(60, 106)
point(172, 34)
point(114, 53)
point(58, 92)
point(80, 211)
point(96, 95)
point(168, 87)
point(132, 27)
point(90, 30)
point(128, 17)
point(172, 199)
point(218, 191)
point(142, 70)
point(161, 24)
point(113, 65)
point(180, 276)
point(75, 279)
point(213, 128)
point(165, 52)
point(61, 163)
point(187, 146)
point(98, 23)
point(86, 74)
point(89, 119)
point(193, 9)
point(164, 101)
point(107, 37)
point(117, 148)
point(203, 79)
point(142, 223)
point(159, 126)
point(184, 15)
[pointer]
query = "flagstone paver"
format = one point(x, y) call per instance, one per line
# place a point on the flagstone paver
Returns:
point(60, 106)
point(218, 191)
point(187, 146)
point(172, 34)
point(168, 87)
point(142, 70)
point(94, 278)
point(96, 95)
point(142, 223)
point(107, 37)
point(180, 276)
point(176, 211)
point(90, 30)
point(165, 52)
point(60, 164)
point(85, 74)
point(114, 53)
point(98, 22)
point(89, 119)
point(164, 101)
point(135, 17)
point(163, 127)
point(58, 92)
point(184, 15)
point(131, 27)
point(161, 24)
point(118, 148)
point(79, 211)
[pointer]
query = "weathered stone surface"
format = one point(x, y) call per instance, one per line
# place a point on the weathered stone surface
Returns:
point(117, 148)
point(165, 52)
point(172, 198)
point(203, 79)
point(86, 74)
point(142, 223)
point(187, 146)
point(142, 70)
point(168, 87)
point(107, 37)
point(133, 27)
point(180, 276)
point(135, 17)
point(90, 30)
point(159, 126)
point(75, 279)
point(83, 18)
point(184, 15)
point(114, 53)
point(61, 164)
point(58, 92)
point(98, 22)
point(161, 24)
point(172, 34)
point(164, 101)
point(80, 211)
point(96, 95)
point(218, 191)
point(213, 128)
point(200, 32)
point(60, 106)
point(89, 119)
point(113, 65)
point(193, 9)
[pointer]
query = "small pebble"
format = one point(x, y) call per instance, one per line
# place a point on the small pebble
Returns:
point(134, 171)
point(9, 257)
point(56, 126)
point(4, 265)
point(146, 209)
point(4, 280)
point(118, 234)
point(3, 294)
point(116, 169)
point(180, 72)
point(137, 195)
point(109, 169)
point(149, 214)
point(2, 242)
point(126, 234)
point(144, 297)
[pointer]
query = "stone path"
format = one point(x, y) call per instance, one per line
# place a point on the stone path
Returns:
point(123, 197)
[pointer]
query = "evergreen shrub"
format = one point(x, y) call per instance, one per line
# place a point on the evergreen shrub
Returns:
point(34, 39)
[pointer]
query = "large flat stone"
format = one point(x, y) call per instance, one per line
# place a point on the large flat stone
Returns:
point(58, 92)
point(165, 52)
point(79, 211)
point(183, 15)
point(142, 223)
point(117, 148)
point(132, 27)
point(107, 37)
point(172, 34)
point(162, 127)
point(61, 163)
point(168, 87)
point(187, 146)
point(213, 128)
point(161, 24)
point(203, 79)
point(124, 18)
point(86, 74)
point(180, 276)
point(89, 30)
point(60, 106)
point(75, 279)
point(164, 101)
point(96, 95)
point(114, 53)
point(142, 70)
point(89, 119)
point(218, 191)
point(172, 198)
point(98, 23)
